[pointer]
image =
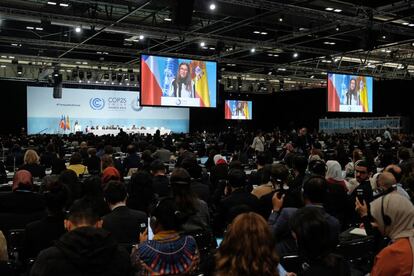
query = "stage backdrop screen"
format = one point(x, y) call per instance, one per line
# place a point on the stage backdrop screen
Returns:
point(169, 81)
point(93, 110)
point(238, 110)
point(349, 93)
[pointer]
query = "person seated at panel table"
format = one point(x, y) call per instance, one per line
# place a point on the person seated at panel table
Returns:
point(182, 86)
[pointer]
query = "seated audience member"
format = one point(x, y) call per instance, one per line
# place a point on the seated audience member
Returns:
point(110, 173)
point(140, 192)
point(93, 192)
point(48, 157)
point(397, 173)
point(32, 164)
point(70, 180)
point(162, 154)
point(337, 200)
point(218, 174)
point(299, 166)
point(255, 177)
point(132, 160)
point(85, 250)
point(191, 207)
point(4, 256)
point(122, 222)
point(393, 214)
point(42, 233)
point(350, 167)
point(248, 248)
point(22, 199)
point(15, 158)
point(83, 150)
point(201, 189)
point(168, 253)
point(314, 193)
point(75, 164)
point(237, 200)
point(362, 186)
point(312, 233)
point(58, 166)
point(184, 153)
point(265, 185)
point(146, 160)
point(160, 182)
point(92, 162)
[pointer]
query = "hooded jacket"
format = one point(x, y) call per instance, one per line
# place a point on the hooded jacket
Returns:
point(83, 251)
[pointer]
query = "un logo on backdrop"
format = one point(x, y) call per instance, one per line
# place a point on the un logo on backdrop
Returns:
point(97, 103)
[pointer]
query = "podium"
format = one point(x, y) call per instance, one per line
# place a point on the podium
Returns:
point(175, 101)
point(350, 108)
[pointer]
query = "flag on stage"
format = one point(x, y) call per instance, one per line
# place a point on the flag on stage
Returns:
point(201, 82)
point(151, 86)
point(67, 123)
point(227, 111)
point(62, 122)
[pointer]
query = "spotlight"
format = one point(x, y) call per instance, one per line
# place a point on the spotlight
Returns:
point(212, 6)
point(253, 50)
point(78, 29)
point(141, 37)
point(295, 55)
point(202, 44)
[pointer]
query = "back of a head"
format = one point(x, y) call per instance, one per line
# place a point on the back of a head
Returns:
point(387, 180)
point(107, 161)
point(280, 173)
point(92, 186)
point(115, 192)
point(317, 167)
point(92, 151)
point(22, 180)
point(166, 213)
point(184, 196)
point(248, 248)
point(31, 157)
point(55, 194)
point(300, 163)
point(334, 170)
point(237, 178)
point(190, 164)
point(82, 213)
point(261, 159)
point(403, 153)
point(395, 171)
point(315, 189)
point(108, 149)
point(157, 166)
point(68, 177)
point(76, 158)
point(131, 149)
point(110, 173)
point(312, 233)
point(139, 181)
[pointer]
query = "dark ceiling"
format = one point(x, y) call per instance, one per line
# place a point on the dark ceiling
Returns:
point(295, 40)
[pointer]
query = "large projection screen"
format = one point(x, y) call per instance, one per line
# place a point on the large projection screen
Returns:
point(99, 112)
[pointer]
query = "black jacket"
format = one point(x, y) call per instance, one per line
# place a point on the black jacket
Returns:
point(125, 224)
point(161, 185)
point(83, 251)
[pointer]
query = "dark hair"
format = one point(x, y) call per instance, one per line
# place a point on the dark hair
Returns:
point(312, 233)
point(50, 147)
point(237, 178)
point(403, 153)
point(166, 213)
point(92, 186)
point(108, 149)
point(184, 196)
point(71, 181)
point(131, 149)
point(315, 189)
point(235, 164)
point(140, 181)
point(266, 174)
point(300, 163)
point(76, 158)
point(157, 165)
point(115, 192)
point(363, 163)
point(184, 145)
point(55, 194)
point(317, 167)
point(187, 80)
point(83, 212)
point(280, 172)
point(190, 164)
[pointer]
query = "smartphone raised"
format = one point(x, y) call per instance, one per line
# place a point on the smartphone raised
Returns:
point(360, 195)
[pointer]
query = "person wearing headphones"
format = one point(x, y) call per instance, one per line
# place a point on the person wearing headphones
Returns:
point(393, 216)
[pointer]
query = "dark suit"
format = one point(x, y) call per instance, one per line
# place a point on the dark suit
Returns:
point(131, 161)
point(125, 224)
point(161, 185)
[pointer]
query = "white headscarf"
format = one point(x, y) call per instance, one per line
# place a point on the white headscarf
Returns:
point(334, 170)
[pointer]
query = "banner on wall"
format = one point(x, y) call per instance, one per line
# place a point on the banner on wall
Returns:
point(88, 110)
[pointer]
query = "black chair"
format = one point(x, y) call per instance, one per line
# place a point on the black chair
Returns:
point(15, 243)
point(8, 269)
point(206, 244)
point(292, 263)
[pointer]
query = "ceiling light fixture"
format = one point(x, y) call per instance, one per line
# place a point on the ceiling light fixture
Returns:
point(295, 55)
point(202, 44)
point(329, 9)
point(253, 50)
point(141, 37)
point(212, 6)
point(337, 10)
point(78, 29)
point(51, 3)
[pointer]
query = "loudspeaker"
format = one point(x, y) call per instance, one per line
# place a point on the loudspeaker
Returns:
point(57, 86)
point(57, 91)
point(183, 12)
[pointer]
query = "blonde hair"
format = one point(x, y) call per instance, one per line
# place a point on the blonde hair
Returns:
point(31, 157)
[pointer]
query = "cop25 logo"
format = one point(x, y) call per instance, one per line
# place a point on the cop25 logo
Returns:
point(97, 103)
